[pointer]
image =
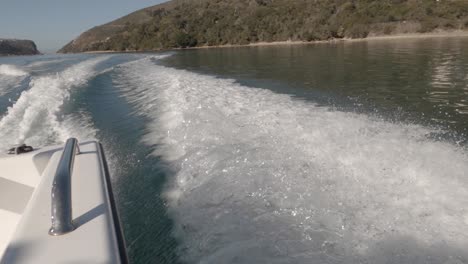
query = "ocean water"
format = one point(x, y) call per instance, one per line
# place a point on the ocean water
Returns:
point(328, 153)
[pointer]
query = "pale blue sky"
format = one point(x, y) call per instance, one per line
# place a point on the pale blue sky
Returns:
point(53, 23)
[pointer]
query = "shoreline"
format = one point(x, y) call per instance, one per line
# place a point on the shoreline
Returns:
point(444, 34)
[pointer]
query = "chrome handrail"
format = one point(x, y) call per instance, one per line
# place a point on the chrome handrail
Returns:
point(61, 191)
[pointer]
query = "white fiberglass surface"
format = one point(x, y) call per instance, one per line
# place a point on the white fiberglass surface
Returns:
point(261, 177)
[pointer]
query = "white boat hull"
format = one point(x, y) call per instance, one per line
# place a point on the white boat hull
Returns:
point(25, 209)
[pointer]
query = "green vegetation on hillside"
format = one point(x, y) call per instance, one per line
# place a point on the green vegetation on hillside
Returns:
point(189, 23)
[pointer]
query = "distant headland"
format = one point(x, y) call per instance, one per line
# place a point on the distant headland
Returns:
point(9, 47)
point(207, 23)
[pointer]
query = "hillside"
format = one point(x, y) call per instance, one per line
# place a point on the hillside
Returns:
point(17, 47)
point(189, 23)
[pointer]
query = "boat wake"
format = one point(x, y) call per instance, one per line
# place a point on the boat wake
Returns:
point(10, 77)
point(11, 70)
point(36, 118)
point(265, 178)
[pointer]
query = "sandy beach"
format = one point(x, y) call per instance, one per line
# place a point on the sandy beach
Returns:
point(441, 34)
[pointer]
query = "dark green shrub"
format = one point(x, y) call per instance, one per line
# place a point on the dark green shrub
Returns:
point(184, 40)
point(357, 31)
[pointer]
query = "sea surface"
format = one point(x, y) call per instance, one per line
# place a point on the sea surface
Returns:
point(350, 152)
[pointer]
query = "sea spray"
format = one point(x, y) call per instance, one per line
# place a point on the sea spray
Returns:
point(34, 119)
point(11, 70)
point(263, 178)
point(11, 77)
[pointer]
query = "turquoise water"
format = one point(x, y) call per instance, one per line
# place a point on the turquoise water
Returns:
point(328, 153)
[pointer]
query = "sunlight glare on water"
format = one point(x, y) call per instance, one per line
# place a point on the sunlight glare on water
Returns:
point(261, 177)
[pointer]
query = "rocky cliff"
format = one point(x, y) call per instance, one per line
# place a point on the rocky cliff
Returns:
point(17, 47)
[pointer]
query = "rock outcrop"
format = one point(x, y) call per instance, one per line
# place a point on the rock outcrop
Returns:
point(17, 47)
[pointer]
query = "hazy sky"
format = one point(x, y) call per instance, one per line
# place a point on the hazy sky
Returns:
point(53, 23)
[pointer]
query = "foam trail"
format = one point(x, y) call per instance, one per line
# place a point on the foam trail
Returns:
point(10, 77)
point(11, 70)
point(263, 178)
point(34, 119)
point(38, 64)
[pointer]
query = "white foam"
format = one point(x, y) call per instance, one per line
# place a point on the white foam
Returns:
point(263, 178)
point(34, 119)
point(38, 64)
point(10, 78)
point(11, 70)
